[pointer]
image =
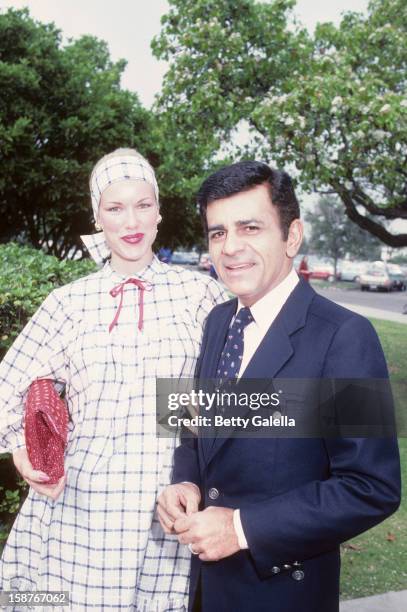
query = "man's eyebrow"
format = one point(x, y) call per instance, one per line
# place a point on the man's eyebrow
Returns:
point(249, 222)
point(214, 228)
point(239, 223)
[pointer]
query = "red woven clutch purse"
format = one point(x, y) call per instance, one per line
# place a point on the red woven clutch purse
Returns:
point(46, 429)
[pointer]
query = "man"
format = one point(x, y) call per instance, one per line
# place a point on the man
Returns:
point(272, 512)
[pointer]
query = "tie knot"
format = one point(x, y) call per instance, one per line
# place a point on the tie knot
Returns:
point(243, 318)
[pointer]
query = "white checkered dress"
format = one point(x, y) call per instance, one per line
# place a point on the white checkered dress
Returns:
point(100, 540)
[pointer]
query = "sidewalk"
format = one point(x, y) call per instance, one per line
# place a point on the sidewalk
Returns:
point(394, 601)
point(375, 313)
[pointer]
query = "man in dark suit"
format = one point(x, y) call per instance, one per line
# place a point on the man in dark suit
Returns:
point(264, 517)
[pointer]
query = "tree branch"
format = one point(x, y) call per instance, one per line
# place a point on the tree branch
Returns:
point(366, 223)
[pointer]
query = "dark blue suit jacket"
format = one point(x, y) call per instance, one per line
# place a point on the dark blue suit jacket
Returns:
point(299, 498)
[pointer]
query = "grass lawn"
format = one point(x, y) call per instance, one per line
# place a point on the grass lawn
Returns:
point(376, 561)
point(318, 283)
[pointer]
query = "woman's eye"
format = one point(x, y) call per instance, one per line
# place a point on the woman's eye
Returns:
point(114, 209)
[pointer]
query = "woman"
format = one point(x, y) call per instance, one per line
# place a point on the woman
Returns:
point(106, 337)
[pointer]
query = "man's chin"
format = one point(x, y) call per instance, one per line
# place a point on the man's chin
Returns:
point(239, 288)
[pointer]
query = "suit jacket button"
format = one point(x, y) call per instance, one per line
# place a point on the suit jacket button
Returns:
point(213, 493)
point(298, 575)
point(275, 570)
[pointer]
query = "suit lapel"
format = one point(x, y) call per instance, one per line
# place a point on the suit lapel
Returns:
point(273, 352)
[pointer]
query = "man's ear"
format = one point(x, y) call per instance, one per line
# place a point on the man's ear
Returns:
point(295, 236)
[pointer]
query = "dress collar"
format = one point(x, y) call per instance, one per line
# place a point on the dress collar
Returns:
point(146, 274)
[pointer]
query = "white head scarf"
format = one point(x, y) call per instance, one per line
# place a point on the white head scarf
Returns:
point(122, 164)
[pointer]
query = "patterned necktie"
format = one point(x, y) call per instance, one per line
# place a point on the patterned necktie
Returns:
point(232, 354)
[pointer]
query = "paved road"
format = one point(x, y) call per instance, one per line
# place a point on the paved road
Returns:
point(388, 602)
point(393, 302)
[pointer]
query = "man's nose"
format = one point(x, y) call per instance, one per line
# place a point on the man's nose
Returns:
point(232, 243)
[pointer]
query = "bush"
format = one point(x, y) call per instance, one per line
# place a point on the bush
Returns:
point(27, 276)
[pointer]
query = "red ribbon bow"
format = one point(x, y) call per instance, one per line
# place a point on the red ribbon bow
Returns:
point(119, 290)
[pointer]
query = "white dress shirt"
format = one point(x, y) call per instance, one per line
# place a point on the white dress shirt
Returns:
point(264, 313)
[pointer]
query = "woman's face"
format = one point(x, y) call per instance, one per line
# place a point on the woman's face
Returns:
point(129, 214)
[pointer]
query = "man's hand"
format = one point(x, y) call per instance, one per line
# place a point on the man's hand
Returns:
point(176, 501)
point(211, 533)
point(35, 478)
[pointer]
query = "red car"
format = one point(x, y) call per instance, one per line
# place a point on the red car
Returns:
point(318, 268)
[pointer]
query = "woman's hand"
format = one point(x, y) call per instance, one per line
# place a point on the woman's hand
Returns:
point(35, 478)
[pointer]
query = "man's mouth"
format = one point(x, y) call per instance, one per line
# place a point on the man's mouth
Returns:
point(133, 238)
point(236, 268)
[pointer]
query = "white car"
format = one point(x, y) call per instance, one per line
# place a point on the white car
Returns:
point(383, 277)
point(351, 270)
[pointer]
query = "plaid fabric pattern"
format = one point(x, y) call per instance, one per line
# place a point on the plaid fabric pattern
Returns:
point(96, 246)
point(101, 540)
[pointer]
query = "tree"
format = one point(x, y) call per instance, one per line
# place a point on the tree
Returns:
point(332, 105)
point(61, 109)
point(334, 235)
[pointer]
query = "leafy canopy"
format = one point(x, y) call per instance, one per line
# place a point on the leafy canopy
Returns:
point(61, 109)
point(332, 105)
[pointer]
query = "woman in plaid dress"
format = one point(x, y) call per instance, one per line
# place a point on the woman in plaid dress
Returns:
point(106, 337)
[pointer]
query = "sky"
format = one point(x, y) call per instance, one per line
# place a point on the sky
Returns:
point(129, 25)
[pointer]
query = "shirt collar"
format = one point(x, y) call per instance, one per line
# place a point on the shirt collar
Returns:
point(267, 308)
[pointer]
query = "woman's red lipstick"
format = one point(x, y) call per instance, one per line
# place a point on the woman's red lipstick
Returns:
point(133, 238)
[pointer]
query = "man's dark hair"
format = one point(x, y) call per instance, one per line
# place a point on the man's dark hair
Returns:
point(246, 175)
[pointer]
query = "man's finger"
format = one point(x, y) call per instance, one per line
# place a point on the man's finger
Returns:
point(183, 523)
point(174, 505)
point(185, 537)
point(166, 521)
point(192, 504)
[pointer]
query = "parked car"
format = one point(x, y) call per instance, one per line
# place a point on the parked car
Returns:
point(320, 268)
point(382, 277)
point(189, 258)
point(398, 278)
point(351, 270)
point(204, 262)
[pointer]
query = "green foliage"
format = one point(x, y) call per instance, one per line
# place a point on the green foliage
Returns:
point(13, 491)
point(333, 105)
point(334, 235)
point(10, 500)
point(398, 259)
point(27, 276)
point(61, 109)
point(202, 98)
